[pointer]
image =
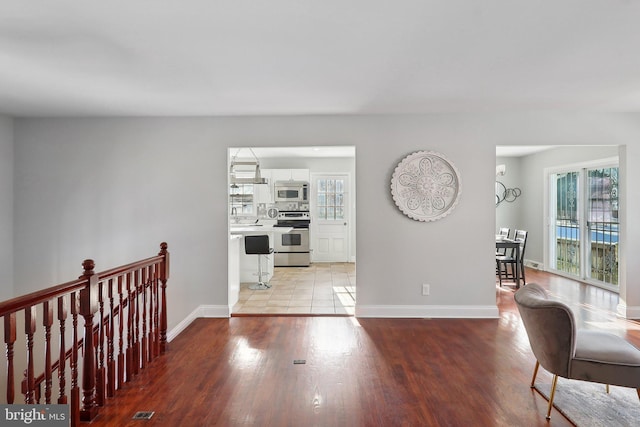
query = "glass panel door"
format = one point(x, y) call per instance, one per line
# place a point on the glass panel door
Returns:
point(584, 214)
point(567, 227)
point(602, 224)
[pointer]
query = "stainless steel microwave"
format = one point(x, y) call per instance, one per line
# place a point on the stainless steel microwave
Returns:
point(291, 191)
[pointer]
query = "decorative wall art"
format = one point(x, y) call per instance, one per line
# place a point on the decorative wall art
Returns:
point(425, 186)
point(504, 194)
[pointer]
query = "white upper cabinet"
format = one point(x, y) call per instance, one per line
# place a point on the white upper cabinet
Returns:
point(290, 175)
point(262, 193)
point(300, 174)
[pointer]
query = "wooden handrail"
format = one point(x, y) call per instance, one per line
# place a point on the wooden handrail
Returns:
point(133, 294)
point(117, 271)
point(20, 303)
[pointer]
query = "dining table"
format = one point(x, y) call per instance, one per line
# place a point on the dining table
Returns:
point(506, 243)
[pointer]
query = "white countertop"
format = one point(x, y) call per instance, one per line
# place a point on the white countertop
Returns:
point(247, 229)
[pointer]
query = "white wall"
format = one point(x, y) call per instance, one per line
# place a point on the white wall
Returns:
point(508, 214)
point(113, 189)
point(6, 208)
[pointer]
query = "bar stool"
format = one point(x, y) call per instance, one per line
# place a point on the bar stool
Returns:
point(258, 245)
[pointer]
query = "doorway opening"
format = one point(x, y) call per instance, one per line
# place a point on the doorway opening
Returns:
point(298, 187)
point(570, 202)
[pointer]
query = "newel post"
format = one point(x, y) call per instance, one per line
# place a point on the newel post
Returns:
point(88, 307)
point(164, 275)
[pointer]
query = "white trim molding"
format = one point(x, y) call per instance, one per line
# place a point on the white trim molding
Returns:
point(429, 311)
point(627, 312)
point(218, 311)
point(399, 311)
point(537, 265)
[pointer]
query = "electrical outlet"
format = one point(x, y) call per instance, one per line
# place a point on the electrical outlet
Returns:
point(425, 289)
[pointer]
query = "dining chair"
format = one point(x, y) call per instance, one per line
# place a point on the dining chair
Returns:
point(503, 233)
point(508, 264)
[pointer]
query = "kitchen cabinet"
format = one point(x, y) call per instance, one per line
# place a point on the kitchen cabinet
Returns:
point(247, 265)
point(233, 274)
point(263, 193)
point(290, 175)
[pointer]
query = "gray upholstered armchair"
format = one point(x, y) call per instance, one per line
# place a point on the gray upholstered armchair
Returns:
point(572, 353)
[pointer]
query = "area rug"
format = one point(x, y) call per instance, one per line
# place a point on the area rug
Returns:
point(588, 404)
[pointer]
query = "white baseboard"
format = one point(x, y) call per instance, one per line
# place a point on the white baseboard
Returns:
point(627, 312)
point(201, 311)
point(401, 311)
point(534, 264)
point(214, 311)
point(429, 311)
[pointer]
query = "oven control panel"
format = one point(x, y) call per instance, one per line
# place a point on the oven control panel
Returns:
point(293, 215)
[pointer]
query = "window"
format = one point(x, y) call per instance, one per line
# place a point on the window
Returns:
point(330, 199)
point(241, 199)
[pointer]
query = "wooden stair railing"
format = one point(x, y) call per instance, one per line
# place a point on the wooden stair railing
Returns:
point(130, 331)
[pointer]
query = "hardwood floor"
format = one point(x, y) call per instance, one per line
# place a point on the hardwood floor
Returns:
point(242, 371)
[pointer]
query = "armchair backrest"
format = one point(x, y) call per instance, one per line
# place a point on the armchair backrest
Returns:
point(550, 326)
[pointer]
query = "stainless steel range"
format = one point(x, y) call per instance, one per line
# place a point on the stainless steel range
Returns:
point(292, 249)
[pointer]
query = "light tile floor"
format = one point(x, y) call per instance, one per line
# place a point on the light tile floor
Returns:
point(321, 288)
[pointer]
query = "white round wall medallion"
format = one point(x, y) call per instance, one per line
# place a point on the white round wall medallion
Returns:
point(426, 186)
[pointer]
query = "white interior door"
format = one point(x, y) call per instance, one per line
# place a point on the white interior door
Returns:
point(330, 218)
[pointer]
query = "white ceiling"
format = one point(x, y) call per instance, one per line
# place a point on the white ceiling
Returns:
point(240, 57)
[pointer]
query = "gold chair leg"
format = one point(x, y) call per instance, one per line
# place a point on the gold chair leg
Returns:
point(607, 388)
point(553, 392)
point(535, 373)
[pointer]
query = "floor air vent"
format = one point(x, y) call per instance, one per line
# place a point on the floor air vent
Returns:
point(143, 415)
